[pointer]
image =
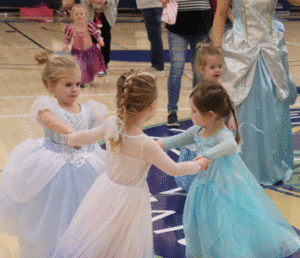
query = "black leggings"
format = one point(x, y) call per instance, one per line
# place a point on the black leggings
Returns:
point(106, 35)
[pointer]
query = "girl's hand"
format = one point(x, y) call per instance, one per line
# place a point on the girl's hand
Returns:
point(101, 42)
point(231, 123)
point(203, 163)
point(70, 146)
point(65, 48)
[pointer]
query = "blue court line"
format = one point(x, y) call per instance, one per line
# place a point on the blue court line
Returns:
point(24, 35)
point(281, 190)
point(141, 56)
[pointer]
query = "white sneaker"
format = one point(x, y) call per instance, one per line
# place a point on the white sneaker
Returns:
point(102, 73)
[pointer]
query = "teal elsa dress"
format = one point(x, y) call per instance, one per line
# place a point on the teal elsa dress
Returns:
point(256, 60)
point(227, 213)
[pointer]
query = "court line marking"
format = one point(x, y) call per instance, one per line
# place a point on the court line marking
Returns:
point(81, 95)
point(109, 112)
point(24, 35)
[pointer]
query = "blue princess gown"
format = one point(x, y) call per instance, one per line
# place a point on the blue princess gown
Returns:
point(256, 60)
point(44, 181)
point(227, 213)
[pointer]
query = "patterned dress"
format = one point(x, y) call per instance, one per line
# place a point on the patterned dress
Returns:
point(88, 55)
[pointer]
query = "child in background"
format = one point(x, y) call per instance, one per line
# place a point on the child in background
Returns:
point(210, 62)
point(226, 213)
point(103, 13)
point(44, 180)
point(114, 220)
point(86, 52)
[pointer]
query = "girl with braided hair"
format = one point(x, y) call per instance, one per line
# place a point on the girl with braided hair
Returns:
point(226, 213)
point(114, 219)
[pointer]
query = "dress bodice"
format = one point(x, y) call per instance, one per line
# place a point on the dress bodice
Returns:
point(256, 38)
point(254, 19)
point(79, 122)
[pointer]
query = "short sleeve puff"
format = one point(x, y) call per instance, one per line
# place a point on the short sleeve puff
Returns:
point(43, 103)
point(98, 112)
point(93, 30)
point(69, 31)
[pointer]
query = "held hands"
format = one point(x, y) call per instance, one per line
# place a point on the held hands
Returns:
point(202, 162)
point(67, 139)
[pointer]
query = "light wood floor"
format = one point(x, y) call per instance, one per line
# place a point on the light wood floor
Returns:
point(20, 84)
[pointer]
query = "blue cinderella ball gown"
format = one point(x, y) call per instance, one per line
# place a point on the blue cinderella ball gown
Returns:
point(227, 213)
point(44, 181)
point(256, 60)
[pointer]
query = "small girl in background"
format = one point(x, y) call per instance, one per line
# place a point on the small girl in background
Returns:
point(44, 180)
point(226, 213)
point(86, 52)
point(114, 219)
point(210, 62)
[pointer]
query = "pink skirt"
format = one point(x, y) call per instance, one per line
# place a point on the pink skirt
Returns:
point(91, 61)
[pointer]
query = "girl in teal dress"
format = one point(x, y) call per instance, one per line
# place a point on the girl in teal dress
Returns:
point(210, 62)
point(226, 213)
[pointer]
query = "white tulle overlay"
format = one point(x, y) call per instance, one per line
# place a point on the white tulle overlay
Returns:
point(114, 219)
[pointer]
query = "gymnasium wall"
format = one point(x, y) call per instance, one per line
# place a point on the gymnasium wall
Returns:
point(16, 3)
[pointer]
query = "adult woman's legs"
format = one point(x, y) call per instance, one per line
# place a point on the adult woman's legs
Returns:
point(152, 19)
point(177, 49)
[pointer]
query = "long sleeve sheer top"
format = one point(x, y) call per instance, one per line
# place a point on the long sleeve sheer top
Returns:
point(130, 167)
point(219, 148)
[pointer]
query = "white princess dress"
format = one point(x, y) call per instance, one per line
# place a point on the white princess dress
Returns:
point(114, 219)
point(44, 180)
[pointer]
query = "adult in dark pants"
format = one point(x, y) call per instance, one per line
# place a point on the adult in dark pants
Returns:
point(194, 19)
point(152, 11)
point(105, 12)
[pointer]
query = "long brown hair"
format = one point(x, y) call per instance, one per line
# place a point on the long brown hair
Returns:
point(211, 96)
point(136, 90)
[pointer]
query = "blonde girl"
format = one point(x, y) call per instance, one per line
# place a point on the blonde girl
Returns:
point(226, 213)
point(44, 180)
point(88, 55)
point(114, 220)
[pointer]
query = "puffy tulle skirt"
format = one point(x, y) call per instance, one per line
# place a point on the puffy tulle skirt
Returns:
point(41, 189)
point(187, 153)
point(265, 125)
point(112, 221)
point(232, 216)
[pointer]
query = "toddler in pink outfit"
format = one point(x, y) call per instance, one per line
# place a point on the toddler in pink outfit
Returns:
point(87, 53)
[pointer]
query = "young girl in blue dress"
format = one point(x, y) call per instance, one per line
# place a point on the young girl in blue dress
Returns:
point(227, 213)
point(210, 62)
point(44, 180)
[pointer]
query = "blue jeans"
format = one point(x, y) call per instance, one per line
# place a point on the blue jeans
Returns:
point(178, 45)
point(152, 19)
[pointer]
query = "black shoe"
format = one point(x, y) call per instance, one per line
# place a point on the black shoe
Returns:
point(172, 120)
